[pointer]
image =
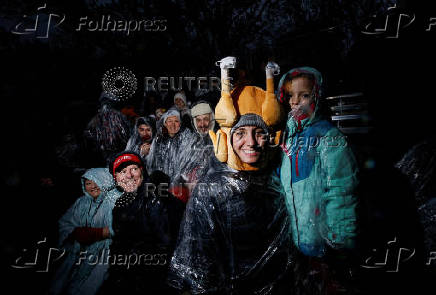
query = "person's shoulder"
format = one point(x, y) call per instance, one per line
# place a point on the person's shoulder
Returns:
point(218, 177)
point(80, 203)
point(322, 127)
point(323, 123)
point(111, 197)
point(83, 199)
point(186, 132)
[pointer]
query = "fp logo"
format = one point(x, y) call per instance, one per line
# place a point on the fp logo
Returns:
point(394, 21)
point(38, 25)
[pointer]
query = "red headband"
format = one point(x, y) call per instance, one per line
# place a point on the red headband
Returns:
point(126, 158)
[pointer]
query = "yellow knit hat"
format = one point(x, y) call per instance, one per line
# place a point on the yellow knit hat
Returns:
point(251, 100)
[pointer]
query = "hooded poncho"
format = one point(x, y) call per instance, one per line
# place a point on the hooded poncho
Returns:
point(108, 131)
point(87, 277)
point(177, 156)
point(135, 141)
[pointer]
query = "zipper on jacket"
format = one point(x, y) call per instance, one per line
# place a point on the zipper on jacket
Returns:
point(292, 189)
point(296, 162)
point(283, 146)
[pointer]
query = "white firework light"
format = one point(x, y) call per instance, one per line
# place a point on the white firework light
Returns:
point(120, 82)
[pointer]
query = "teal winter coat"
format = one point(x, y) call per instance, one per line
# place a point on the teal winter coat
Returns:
point(319, 176)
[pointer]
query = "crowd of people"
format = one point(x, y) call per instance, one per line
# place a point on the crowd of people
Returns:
point(254, 196)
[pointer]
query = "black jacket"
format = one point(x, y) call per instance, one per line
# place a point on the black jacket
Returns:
point(145, 226)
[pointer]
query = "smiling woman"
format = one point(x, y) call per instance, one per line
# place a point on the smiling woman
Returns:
point(92, 188)
point(172, 124)
point(234, 237)
point(86, 228)
point(249, 138)
point(248, 143)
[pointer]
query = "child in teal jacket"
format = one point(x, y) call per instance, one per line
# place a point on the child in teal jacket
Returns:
point(318, 170)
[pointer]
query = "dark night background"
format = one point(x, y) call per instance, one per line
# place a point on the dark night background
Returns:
point(50, 89)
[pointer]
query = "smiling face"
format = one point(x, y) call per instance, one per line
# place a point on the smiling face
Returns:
point(92, 188)
point(249, 143)
point(203, 123)
point(129, 178)
point(173, 125)
point(299, 92)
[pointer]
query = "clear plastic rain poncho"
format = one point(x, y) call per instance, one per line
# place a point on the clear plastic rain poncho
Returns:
point(234, 236)
point(135, 141)
point(419, 164)
point(79, 274)
point(183, 157)
point(109, 130)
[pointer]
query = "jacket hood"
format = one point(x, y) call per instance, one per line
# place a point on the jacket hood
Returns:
point(134, 143)
point(202, 108)
point(101, 177)
point(160, 125)
point(146, 121)
point(301, 123)
point(301, 70)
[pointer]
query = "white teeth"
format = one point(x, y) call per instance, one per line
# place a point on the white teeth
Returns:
point(249, 152)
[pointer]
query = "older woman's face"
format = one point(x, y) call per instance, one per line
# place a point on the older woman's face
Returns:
point(173, 125)
point(249, 143)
